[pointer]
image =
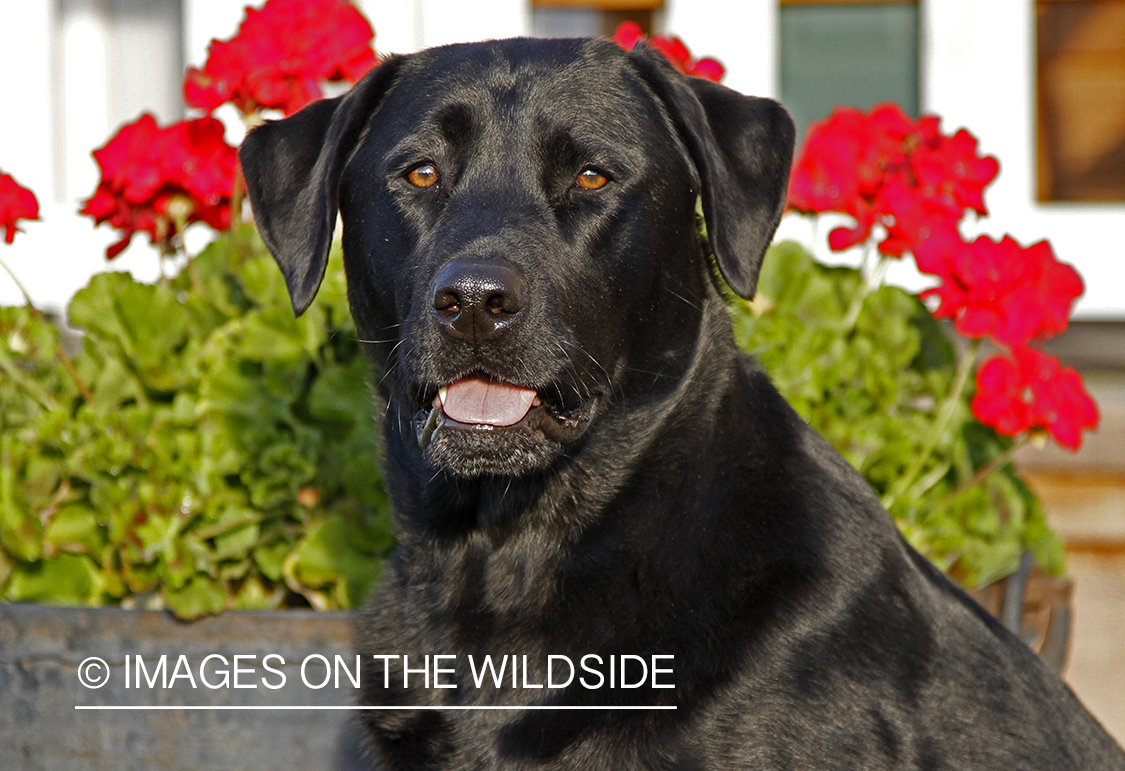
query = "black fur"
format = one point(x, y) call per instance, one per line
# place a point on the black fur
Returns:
point(663, 499)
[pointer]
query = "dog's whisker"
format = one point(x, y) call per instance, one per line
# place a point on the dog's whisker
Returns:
point(393, 359)
point(640, 371)
point(609, 381)
point(584, 388)
point(697, 303)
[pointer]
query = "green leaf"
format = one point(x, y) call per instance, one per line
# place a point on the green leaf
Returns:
point(20, 530)
point(341, 395)
point(93, 309)
point(68, 579)
point(273, 335)
point(75, 528)
point(237, 543)
point(326, 557)
point(200, 596)
point(270, 558)
point(156, 322)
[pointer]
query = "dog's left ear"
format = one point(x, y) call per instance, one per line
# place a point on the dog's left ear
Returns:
point(292, 169)
point(742, 148)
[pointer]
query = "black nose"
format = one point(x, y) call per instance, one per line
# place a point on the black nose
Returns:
point(477, 301)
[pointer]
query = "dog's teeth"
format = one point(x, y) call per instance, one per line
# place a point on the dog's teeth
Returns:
point(427, 429)
point(536, 402)
point(440, 399)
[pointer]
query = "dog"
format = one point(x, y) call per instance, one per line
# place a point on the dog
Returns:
point(613, 532)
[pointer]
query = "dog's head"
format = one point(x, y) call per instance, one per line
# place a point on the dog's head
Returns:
point(519, 231)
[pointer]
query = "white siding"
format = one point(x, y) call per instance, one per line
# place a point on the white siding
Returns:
point(979, 72)
point(977, 65)
point(742, 34)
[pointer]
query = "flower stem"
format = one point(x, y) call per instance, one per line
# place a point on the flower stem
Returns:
point(852, 314)
point(938, 427)
point(60, 352)
point(19, 286)
point(871, 280)
point(68, 365)
point(193, 275)
point(985, 471)
point(28, 384)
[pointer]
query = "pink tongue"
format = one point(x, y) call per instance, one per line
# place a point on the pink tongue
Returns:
point(486, 402)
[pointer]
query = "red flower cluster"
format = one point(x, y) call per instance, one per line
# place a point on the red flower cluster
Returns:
point(155, 180)
point(999, 289)
point(16, 203)
point(884, 168)
point(916, 183)
point(281, 54)
point(1029, 390)
point(629, 33)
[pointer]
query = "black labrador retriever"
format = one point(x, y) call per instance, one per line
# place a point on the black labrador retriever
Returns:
point(615, 537)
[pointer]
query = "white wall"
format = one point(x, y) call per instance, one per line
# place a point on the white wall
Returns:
point(742, 34)
point(403, 26)
point(397, 23)
point(56, 113)
point(980, 73)
point(977, 71)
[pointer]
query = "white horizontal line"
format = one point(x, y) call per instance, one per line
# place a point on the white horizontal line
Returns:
point(345, 707)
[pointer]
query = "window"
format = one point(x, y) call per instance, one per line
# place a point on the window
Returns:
point(114, 59)
point(857, 54)
point(1081, 100)
point(590, 18)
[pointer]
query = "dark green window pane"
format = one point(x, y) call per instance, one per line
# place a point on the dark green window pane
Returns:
point(848, 54)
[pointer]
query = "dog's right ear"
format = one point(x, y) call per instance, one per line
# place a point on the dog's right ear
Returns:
point(742, 147)
point(292, 169)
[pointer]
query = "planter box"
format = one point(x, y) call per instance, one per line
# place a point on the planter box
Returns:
point(42, 648)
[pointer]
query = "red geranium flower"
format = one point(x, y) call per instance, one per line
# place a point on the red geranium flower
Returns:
point(1030, 389)
point(281, 54)
point(156, 180)
point(886, 169)
point(16, 203)
point(826, 175)
point(948, 168)
point(629, 33)
point(1000, 289)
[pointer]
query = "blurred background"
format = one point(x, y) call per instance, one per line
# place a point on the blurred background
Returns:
point(1041, 84)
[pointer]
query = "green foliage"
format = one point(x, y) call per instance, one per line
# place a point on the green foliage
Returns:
point(207, 452)
point(875, 388)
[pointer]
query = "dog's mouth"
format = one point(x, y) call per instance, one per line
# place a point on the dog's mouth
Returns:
point(482, 403)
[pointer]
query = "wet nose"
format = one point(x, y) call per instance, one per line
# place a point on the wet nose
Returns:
point(477, 301)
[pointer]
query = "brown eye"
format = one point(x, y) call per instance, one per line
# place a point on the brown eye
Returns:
point(422, 176)
point(592, 179)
